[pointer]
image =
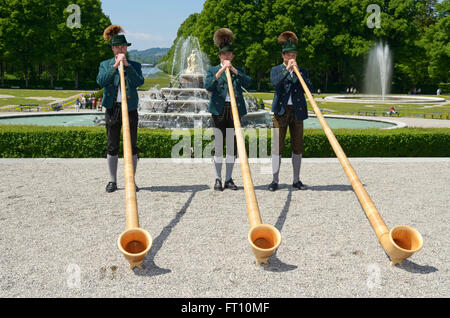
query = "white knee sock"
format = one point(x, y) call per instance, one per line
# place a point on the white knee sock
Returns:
point(296, 164)
point(135, 160)
point(229, 161)
point(218, 167)
point(276, 162)
point(112, 167)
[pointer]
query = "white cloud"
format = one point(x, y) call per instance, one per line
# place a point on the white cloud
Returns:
point(142, 41)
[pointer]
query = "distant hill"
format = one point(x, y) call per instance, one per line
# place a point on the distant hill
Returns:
point(150, 56)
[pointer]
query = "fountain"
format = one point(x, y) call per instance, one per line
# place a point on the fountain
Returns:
point(377, 82)
point(184, 104)
point(378, 71)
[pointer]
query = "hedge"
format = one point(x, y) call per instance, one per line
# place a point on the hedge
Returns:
point(90, 142)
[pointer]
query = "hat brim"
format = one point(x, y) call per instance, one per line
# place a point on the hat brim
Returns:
point(291, 50)
point(289, 47)
point(227, 49)
point(127, 44)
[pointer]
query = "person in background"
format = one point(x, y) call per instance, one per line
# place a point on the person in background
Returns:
point(77, 105)
point(392, 111)
point(100, 104)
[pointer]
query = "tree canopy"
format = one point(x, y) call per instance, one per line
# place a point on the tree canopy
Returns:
point(40, 42)
point(37, 43)
point(334, 38)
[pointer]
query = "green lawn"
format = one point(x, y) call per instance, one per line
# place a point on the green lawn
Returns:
point(25, 96)
point(39, 93)
point(408, 110)
point(161, 79)
point(263, 96)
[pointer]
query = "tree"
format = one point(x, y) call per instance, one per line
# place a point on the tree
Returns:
point(3, 14)
point(247, 21)
point(436, 42)
point(22, 33)
point(84, 47)
point(334, 37)
point(36, 38)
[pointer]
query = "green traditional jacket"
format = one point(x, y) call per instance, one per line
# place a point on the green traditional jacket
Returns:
point(109, 78)
point(219, 89)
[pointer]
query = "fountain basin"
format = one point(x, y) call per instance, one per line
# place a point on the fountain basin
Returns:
point(203, 119)
point(260, 119)
point(192, 80)
point(185, 92)
point(389, 99)
point(173, 106)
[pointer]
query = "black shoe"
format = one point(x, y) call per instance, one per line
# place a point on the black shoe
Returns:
point(218, 185)
point(273, 186)
point(230, 185)
point(299, 185)
point(111, 187)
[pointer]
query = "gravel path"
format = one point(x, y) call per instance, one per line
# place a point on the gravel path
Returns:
point(60, 227)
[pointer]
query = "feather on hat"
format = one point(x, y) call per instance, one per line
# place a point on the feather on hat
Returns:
point(288, 40)
point(287, 36)
point(113, 36)
point(112, 30)
point(223, 38)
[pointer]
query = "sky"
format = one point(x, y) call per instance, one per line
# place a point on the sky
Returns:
point(150, 23)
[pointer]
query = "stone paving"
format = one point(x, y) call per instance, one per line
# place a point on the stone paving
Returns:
point(60, 229)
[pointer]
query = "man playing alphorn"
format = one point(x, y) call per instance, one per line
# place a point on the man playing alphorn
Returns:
point(109, 78)
point(289, 108)
point(220, 106)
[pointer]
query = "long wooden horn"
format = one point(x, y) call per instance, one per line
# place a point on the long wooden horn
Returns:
point(264, 238)
point(399, 243)
point(134, 242)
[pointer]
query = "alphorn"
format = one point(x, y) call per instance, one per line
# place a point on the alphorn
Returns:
point(401, 241)
point(264, 239)
point(134, 242)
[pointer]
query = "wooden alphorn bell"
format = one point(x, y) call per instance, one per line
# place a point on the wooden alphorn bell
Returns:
point(401, 241)
point(264, 239)
point(134, 242)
